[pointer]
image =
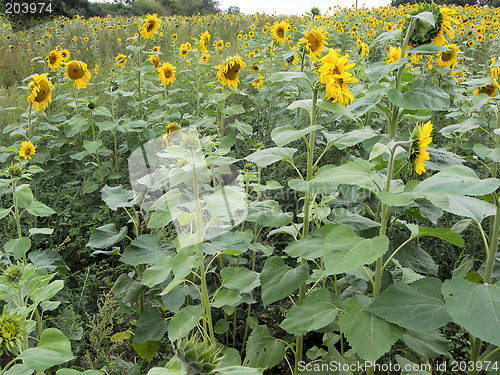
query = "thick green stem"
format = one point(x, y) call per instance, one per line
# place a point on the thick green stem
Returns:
point(490, 261)
point(38, 322)
point(474, 357)
point(299, 343)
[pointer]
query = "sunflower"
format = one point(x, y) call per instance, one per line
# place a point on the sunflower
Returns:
point(446, 25)
point(204, 58)
point(121, 59)
point(150, 26)
point(96, 70)
point(415, 58)
point(166, 73)
point(259, 82)
point(78, 72)
point(26, 150)
point(169, 129)
point(40, 91)
point(255, 66)
point(184, 49)
point(394, 55)
point(204, 39)
point(228, 72)
point(54, 59)
point(279, 29)
point(12, 330)
point(449, 58)
point(174, 36)
point(489, 90)
point(335, 76)
point(154, 59)
point(219, 44)
point(315, 41)
point(363, 50)
point(420, 142)
point(293, 60)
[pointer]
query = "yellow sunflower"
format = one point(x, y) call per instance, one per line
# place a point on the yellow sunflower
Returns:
point(449, 58)
point(184, 49)
point(169, 129)
point(78, 72)
point(154, 59)
point(166, 73)
point(315, 41)
point(394, 55)
point(65, 54)
point(204, 58)
point(420, 143)
point(279, 29)
point(446, 27)
point(40, 91)
point(335, 76)
point(54, 59)
point(228, 72)
point(259, 82)
point(363, 50)
point(26, 150)
point(204, 39)
point(150, 26)
point(489, 90)
point(121, 59)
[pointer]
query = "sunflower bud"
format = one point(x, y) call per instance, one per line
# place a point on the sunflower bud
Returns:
point(423, 32)
point(15, 169)
point(190, 141)
point(12, 273)
point(198, 357)
point(12, 330)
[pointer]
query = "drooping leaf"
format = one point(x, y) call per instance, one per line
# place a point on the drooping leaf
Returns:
point(268, 156)
point(117, 196)
point(263, 350)
point(422, 95)
point(268, 214)
point(144, 249)
point(106, 236)
point(240, 279)
point(151, 326)
point(286, 134)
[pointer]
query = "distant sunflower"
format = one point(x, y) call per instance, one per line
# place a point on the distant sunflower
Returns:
point(154, 59)
point(489, 90)
point(12, 330)
point(394, 55)
point(279, 30)
point(40, 91)
point(228, 72)
point(169, 129)
point(420, 142)
point(166, 73)
point(204, 39)
point(26, 150)
point(121, 59)
point(204, 58)
point(78, 72)
point(65, 54)
point(259, 82)
point(184, 49)
point(315, 41)
point(150, 26)
point(54, 59)
point(449, 58)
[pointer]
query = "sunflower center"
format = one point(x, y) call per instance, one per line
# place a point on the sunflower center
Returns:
point(447, 56)
point(43, 93)
point(313, 42)
point(168, 73)
point(281, 32)
point(9, 330)
point(75, 71)
point(232, 72)
point(150, 26)
point(52, 59)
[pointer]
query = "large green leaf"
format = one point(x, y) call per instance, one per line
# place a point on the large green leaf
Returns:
point(52, 349)
point(336, 107)
point(106, 236)
point(310, 247)
point(417, 306)
point(46, 292)
point(184, 321)
point(268, 214)
point(286, 134)
point(427, 343)
point(458, 180)
point(469, 207)
point(279, 281)
point(377, 71)
point(485, 152)
point(147, 350)
point(343, 140)
point(442, 233)
point(151, 326)
point(159, 272)
point(23, 195)
point(20, 369)
point(263, 350)
point(226, 202)
point(226, 297)
point(268, 156)
point(344, 251)
point(369, 336)
point(144, 249)
point(476, 307)
point(117, 196)
point(354, 172)
point(18, 246)
point(239, 370)
point(39, 209)
point(239, 278)
point(316, 311)
point(422, 95)
point(463, 127)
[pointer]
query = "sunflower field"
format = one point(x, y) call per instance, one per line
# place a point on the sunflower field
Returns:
point(235, 194)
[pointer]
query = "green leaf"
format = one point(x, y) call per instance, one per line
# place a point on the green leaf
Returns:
point(102, 111)
point(165, 371)
point(304, 103)
point(226, 297)
point(442, 233)
point(427, 343)
point(18, 246)
point(159, 272)
point(241, 279)
point(463, 127)
point(469, 207)
point(117, 197)
point(417, 306)
point(343, 140)
point(24, 196)
point(106, 236)
point(19, 369)
point(279, 281)
point(310, 247)
point(422, 95)
point(39, 209)
point(268, 214)
point(4, 212)
point(242, 127)
point(476, 307)
point(286, 134)
point(184, 321)
point(34, 231)
point(263, 350)
point(226, 202)
point(426, 16)
point(369, 336)
point(147, 350)
point(459, 180)
point(336, 108)
point(151, 326)
point(396, 199)
point(428, 48)
point(162, 217)
point(46, 292)
point(92, 146)
point(53, 349)
point(354, 172)
point(144, 249)
point(487, 153)
point(344, 251)
point(67, 371)
point(239, 370)
point(316, 311)
point(377, 71)
point(234, 109)
point(268, 156)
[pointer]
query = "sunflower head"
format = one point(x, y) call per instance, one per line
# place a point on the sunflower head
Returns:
point(489, 90)
point(78, 72)
point(449, 58)
point(13, 272)
point(203, 43)
point(279, 31)
point(40, 91)
point(12, 330)
point(155, 60)
point(121, 59)
point(420, 140)
point(55, 59)
point(204, 58)
point(315, 41)
point(26, 150)
point(166, 73)
point(394, 55)
point(423, 32)
point(15, 169)
point(197, 356)
point(150, 26)
point(228, 72)
point(335, 76)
